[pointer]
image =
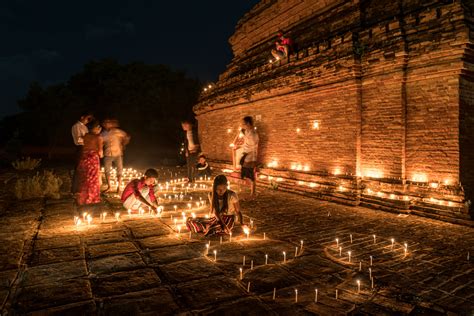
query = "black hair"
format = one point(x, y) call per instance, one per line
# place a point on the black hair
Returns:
point(187, 121)
point(151, 173)
point(94, 124)
point(219, 180)
point(202, 156)
point(87, 113)
point(248, 120)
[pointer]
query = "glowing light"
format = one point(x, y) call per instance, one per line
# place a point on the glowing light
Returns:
point(447, 182)
point(306, 168)
point(341, 188)
point(229, 130)
point(369, 191)
point(312, 185)
point(227, 170)
point(315, 125)
point(231, 145)
point(273, 164)
point(209, 86)
point(420, 177)
point(298, 130)
point(279, 179)
point(300, 183)
point(373, 174)
point(205, 89)
point(393, 196)
point(434, 185)
point(262, 176)
point(337, 171)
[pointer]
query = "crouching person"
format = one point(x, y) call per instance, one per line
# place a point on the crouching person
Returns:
point(141, 192)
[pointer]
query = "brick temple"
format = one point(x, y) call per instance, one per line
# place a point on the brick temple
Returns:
point(375, 107)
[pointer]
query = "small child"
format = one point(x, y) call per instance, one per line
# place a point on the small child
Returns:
point(140, 192)
point(203, 168)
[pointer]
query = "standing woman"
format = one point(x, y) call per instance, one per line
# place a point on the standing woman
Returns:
point(88, 169)
point(225, 208)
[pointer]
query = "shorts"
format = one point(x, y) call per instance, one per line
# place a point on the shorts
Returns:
point(247, 172)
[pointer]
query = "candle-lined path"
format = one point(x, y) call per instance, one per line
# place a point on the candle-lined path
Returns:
point(143, 263)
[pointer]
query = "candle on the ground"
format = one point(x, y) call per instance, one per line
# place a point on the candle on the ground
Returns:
point(264, 237)
point(241, 273)
point(349, 253)
point(296, 296)
point(84, 216)
point(296, 251)
point(220, 240)
point(374, 238)
point(358, 286)
point(215, 255)
point(315, 295)
point(360, 265)
point(243, 261)
point(284, 257)
point(129, 213)
point(370, 260)
point(266, 259)
point(248, 287)
point(274, 293)
point(207, 249)
point(251, 265)
point(230, 236)
point(393, 241)
point(340, 251)
point(370, 273)
point(337, 242)
point(247, 232)
point(336, 294)
point(301, 243)
point(351, 238)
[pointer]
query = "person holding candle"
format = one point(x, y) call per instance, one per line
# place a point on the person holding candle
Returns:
point(224, 208)
point(141, 192)
point(88, 184)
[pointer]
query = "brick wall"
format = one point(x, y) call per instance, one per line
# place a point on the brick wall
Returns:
point(385, 85)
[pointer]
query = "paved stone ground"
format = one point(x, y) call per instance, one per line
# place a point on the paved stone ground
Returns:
point(139, 265)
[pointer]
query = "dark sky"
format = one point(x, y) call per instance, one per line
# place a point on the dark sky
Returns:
point(50, 40)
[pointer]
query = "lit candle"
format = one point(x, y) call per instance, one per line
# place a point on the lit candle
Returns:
point(360, 265)
point(349, 253)
point(117, 216)
point(370, 260)
point(315, 295)
point(301, 242)
point(215, 255)
point(78, 223)
point(284, 257)
point(129, 213)
point(76, 218)
point(274, 293)
point(337, 242)
point(251, 264)
point(230, 237)
point(264, 236)
point(351, 238)
point(241, 275)
point(358, 286)
point(296, 251)
point(340, 251)
point(207, 249)
point(266, 259)
point(179, 229)
point(84, 216)
point(104, 214)
point(296, 296)
point(247, 232)
point(336, 295)
point(374, 238)
point(393, 241)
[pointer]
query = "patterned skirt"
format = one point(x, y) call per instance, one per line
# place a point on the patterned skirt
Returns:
point(88, 178)
point(210, 226)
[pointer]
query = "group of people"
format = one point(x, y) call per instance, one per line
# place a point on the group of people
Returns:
point(108, 142)
point(92, 143)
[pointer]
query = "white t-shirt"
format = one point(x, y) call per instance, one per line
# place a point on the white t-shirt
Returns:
point(250, 145)
point(78, 131)
point(232, 198)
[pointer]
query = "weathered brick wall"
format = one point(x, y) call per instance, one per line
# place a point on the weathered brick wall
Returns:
point(386, 86)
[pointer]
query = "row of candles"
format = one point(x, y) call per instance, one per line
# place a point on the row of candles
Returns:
point(368, 191)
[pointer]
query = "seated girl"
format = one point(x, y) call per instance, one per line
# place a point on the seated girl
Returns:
point(224, 208)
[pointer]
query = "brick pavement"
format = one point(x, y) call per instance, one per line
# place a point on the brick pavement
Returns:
point(138, 265)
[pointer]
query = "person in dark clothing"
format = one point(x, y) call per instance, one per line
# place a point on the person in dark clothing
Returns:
point(191, 148)
point(202, 168)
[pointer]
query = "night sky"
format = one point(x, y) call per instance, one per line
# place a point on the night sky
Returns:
point(48, 41)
